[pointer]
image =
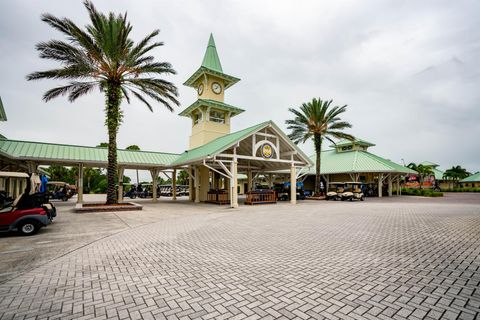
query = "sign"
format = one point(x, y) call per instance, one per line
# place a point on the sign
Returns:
point(267, 151)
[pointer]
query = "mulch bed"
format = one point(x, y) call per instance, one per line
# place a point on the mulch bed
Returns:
point(315, 198)
point(109, 205)
point(102, 207)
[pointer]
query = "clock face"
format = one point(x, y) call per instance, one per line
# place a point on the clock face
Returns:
point(216, 87)
point(200, 89)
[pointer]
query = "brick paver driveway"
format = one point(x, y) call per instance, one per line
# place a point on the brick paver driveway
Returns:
point(392, 258)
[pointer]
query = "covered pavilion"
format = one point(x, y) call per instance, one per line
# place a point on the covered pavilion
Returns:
point(350, 161)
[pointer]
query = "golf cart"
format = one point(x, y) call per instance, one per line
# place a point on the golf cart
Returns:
point(283, 191)
point(132, 192)
point(353, 191)
point(335, 190)
point(59, 190)
point(28, 213)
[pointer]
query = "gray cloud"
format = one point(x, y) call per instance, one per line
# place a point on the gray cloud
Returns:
point(407, 69)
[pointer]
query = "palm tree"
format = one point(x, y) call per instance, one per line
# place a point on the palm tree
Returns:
point(456, 173)
point(134, 147)
point(423, 171)
point(316, 120)
point(102, 56)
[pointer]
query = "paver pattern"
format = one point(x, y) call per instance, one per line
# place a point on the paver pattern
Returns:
point(372, 260)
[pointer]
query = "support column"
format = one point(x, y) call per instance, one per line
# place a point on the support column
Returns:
point(10, 187)
point(197, 184)
point(249, 180)
point(204, 182)
point(190, 183)
point(380, 184)
point(398, 185)
point(154, 173)
point(293, 184)
point(390, 185)
point(270, 180)
point(121, 171)
point(80, 184)
point(233, 184)
point(174, 184)
point(17, 188)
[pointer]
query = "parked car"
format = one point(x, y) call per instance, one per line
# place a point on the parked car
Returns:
point(28, 213)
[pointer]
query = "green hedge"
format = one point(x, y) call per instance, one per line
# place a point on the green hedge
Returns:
point(421, 192)
point(465, 189)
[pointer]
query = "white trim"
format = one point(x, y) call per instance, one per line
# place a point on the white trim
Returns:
point(213, 169)
point(226, 155)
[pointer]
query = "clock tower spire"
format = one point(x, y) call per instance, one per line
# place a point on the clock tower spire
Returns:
point(210, 115)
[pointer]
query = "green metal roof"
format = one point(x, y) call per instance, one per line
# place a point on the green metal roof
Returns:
point(346, 142)
point(217, 145)
point(211, 59)
point(39, 151)
point(429, 163)
point(357, 161)
point(229, 80)
point(437, 173)
point(211, 103)
point(473, 178)
point(3, 115)
point(222, 143)
point(211, 65)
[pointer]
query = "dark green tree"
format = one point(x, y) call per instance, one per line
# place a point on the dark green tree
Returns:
point(456, 173)
point(103, 56)
point(317, 121)
point(182, 177)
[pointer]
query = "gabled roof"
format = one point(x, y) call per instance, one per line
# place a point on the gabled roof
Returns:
point(211, 103)
point(210, 59)
point(346, 142)
point(40, 151)
point(217, 145)
point(473, 178)
point(357, 161)
point(225, 142)
point(3, 115)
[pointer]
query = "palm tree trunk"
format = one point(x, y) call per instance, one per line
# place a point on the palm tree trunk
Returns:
point(318, 150)
point(113, 120)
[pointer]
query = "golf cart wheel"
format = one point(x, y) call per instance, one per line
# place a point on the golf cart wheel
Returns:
point(133, 196)
point(362, 198)
point(64, 198)
point(28, 228)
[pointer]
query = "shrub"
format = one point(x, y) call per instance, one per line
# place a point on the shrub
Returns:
point(464, 189)
point(421, 192)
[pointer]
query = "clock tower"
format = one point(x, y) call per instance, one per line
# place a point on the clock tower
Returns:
point(210, 115)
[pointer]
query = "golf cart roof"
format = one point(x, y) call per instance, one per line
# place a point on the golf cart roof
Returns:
point(13, 174)
point(57, 183)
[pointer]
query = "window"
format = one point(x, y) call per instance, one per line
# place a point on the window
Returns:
point(217, 116)
point(197, 117)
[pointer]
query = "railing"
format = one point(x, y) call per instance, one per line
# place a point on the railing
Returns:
point(261, 197)
point(218, 196)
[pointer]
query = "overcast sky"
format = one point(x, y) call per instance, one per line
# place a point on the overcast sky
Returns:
point(408, 71)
